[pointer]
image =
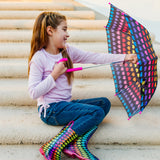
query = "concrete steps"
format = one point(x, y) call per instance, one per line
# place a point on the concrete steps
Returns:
point(21, 50)
point(22, 125)
point(18, 68)
point(31, 15)
point(103, 152)
point(15, 25)
point(54, 6)
point(15, 91)
point(75, 35)
point(22, 131)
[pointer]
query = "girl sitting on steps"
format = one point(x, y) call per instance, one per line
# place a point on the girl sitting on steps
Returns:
point(51, 86)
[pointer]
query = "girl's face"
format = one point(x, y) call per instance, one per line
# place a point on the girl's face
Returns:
point(59, 35)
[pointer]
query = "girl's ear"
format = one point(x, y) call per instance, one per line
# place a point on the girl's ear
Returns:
point(49, 30)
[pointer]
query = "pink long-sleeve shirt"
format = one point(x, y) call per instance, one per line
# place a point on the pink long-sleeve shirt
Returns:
point(41, 84)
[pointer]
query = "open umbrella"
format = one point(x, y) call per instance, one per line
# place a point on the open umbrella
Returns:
point(135, 84)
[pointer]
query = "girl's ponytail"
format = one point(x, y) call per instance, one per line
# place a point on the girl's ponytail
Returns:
point(68, 64)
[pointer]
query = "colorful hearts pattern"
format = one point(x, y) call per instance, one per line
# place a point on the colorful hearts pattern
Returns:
point(135, 84)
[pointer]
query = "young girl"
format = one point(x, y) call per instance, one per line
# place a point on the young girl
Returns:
point(51, 86)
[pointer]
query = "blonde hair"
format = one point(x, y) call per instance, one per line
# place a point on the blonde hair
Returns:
point(40, 37)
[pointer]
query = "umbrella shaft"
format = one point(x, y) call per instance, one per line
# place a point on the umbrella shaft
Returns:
point(95, 66)
point(103, 64)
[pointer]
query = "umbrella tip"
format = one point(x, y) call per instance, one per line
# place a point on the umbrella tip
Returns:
point(140, 112)
point(122, 13)
point(109, 3)
point(128, 119)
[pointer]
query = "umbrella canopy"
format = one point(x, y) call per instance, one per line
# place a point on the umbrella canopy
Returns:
point(135, 84)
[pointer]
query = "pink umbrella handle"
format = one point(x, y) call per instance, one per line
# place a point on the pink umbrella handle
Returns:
point(74, 69)
point(71, 69)
point(62, 60)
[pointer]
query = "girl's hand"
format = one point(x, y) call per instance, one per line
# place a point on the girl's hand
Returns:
point(131, 57)
point(59, 69)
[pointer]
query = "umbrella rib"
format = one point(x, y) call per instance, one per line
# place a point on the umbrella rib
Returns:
point(125, 89)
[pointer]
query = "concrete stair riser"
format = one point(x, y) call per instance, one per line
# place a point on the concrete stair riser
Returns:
point(72, 24)
point(103, 152)
point(21, 50)
point(15, 91)
point(36, 6)
point(18, 68)
point(31, 15)
point(75, 35)
point(22, 125)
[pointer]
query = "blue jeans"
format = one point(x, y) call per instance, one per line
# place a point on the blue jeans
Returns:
point(85, 113)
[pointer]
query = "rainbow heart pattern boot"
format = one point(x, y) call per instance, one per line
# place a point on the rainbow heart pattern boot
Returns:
point(78, 148)
point(52, 149)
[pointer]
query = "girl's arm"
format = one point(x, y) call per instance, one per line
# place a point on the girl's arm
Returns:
point(80, 56)
point(36, 86)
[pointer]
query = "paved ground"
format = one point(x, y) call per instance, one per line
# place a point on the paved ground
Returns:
point(111, 152)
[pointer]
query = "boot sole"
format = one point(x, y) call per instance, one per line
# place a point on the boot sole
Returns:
point(74, 155)
point(42, 152)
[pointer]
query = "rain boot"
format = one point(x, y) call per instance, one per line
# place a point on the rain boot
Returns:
point(53, 148)
point(78, 148)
